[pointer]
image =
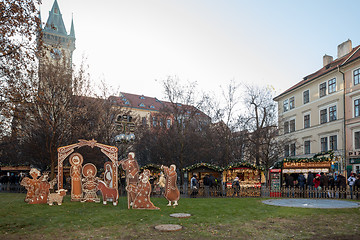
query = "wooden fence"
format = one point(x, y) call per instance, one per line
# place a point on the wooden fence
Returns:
point(222, 192)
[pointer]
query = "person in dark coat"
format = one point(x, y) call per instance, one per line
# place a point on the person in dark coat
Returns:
point(301, 182)
point(341, 184)
point(357, 186)
point(324, 183)
point(310, 184)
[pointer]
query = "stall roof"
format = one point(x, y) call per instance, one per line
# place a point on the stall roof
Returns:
point(206, 165)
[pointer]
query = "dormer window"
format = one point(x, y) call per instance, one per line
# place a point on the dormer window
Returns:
point(56, 11)
point(152, 106)
point(141, 105)
point(142, 97)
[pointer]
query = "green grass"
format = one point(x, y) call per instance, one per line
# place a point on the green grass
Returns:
point(213, 218)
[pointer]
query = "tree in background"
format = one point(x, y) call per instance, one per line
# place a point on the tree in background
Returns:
point(19, 27)
point(260, 122)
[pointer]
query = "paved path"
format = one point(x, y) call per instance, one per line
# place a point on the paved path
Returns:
point(312, 203)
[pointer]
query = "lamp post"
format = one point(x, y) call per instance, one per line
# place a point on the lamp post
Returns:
point(126, 128)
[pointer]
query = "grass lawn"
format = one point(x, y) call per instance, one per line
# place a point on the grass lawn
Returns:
point(213, 218)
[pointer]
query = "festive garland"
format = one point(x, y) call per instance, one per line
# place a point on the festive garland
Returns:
point(198, 165)
point(244, 164)
point(150, 165)
point(315, 158)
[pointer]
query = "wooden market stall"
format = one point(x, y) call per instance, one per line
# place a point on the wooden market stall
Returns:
point(318, 163)
point(250, 177)
point(201, 169)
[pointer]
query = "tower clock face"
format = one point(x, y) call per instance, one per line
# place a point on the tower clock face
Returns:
point(56, 53)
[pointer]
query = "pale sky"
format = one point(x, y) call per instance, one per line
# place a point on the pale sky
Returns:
point(134, 44)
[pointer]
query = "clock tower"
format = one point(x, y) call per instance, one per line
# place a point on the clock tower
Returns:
point(56, 42)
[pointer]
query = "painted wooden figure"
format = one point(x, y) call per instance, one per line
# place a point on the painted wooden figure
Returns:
point(108, 194)
point(131, 167)
point(143, 191)
point(172, 193)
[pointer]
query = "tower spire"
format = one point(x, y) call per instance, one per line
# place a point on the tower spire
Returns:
point(72, 30)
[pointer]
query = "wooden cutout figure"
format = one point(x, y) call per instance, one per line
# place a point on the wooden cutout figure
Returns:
point(76, 161)
point(90, 185)
point(108, 194)
point(143, 191)
point(56, 197)
point(37, 188)
point(108, 175)
point(131, 167)
point(172, 193)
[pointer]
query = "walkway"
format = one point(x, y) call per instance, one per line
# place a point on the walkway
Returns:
point(312, 203)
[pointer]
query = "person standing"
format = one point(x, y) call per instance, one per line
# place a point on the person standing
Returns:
point(351, 182)
point(206, 181)
point(310, 184)
point(357, 186)
point(236, 187)
point(317, 185)
point(324, 183)
point(341, 184)
point(194, 185)
point(301, 181)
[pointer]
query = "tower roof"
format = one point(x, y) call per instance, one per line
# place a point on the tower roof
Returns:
point(55, 23)
point(72, 30)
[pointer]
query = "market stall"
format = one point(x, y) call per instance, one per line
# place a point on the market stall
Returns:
point(250, 178)
point(318, 163)
point(201, 170)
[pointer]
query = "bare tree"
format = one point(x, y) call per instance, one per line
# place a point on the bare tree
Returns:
point(260, 121)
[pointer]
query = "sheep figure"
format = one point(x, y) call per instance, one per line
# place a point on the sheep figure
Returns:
point(56, 197)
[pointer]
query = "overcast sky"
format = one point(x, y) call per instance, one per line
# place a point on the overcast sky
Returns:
point(134, 44)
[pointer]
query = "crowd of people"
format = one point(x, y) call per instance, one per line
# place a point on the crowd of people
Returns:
point(323, 184)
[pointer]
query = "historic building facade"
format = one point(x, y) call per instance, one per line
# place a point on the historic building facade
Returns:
point(58, 44)
point(321, 112)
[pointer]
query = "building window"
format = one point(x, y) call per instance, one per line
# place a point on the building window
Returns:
point(292, 149)
point(168, 123)
point(322, 89)
point(154, 121)
point(292, 103)
point(286, 105)
point(306, 96)
point(332, 85)
point(307, 147)
point(332, 113)
point(323, 116)
point(357, 140)
point(357, 108)
point(144, 121)
point(357, 76)
point(286, 127)
point(286, 150)
point(333, 142)
point(324, 144)
point(292, 125)
point(307, 121)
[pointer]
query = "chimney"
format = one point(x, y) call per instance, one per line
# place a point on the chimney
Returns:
point(344, 48)
point(327, 59)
